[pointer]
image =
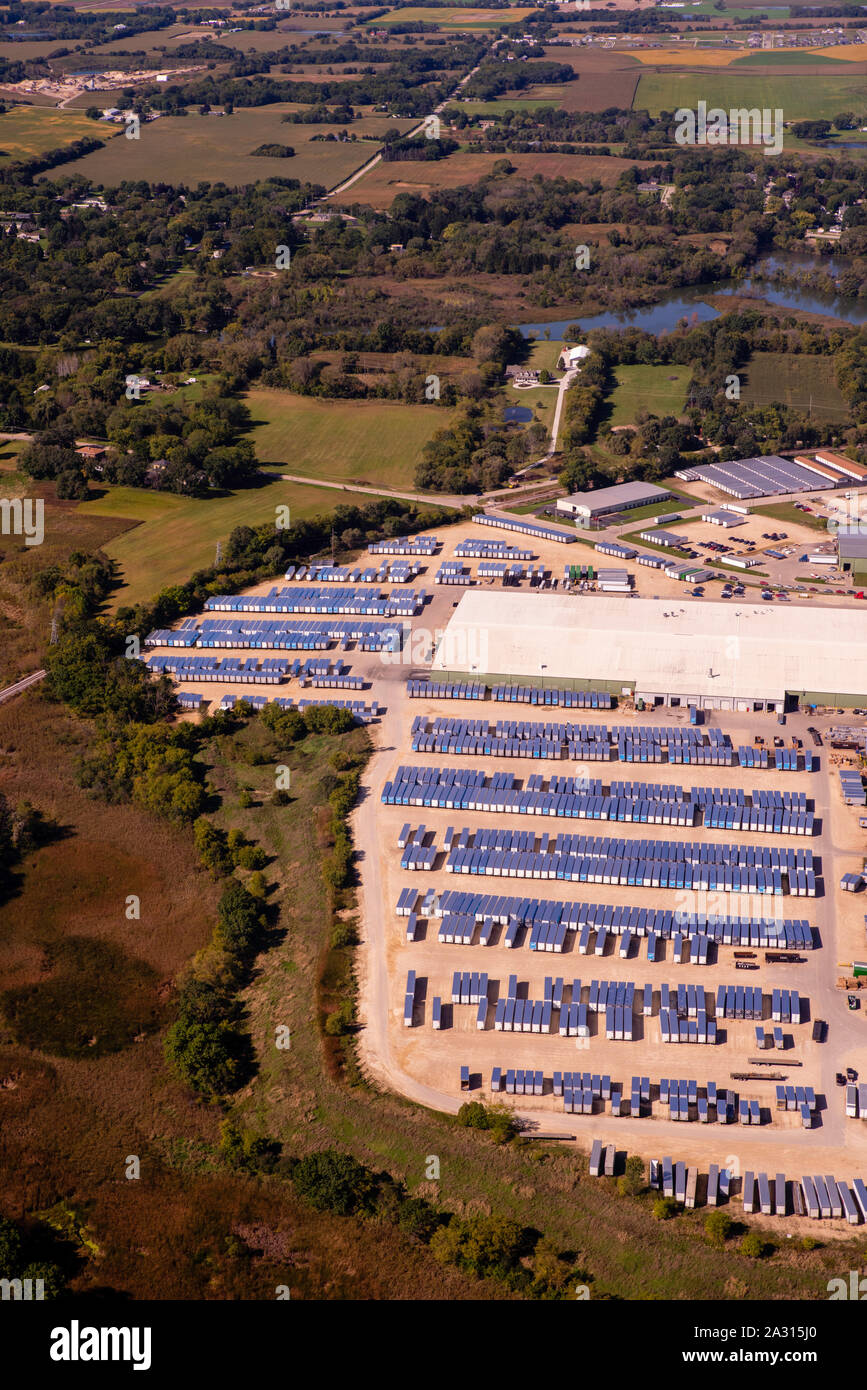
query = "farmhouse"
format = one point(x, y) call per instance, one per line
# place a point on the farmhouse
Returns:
point(664, 651)
point(605, 500)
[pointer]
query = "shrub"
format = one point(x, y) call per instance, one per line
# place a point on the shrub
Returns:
point(717, 1226)
point(332, 1181)
point(752, 1246)
point(664, 1208)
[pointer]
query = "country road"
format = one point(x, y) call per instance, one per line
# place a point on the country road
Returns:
point(377, 158)
point(23, 684)
point(433, 499)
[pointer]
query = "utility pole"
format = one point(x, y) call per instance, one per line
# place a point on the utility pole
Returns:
point(219, 555)
point(333, 542)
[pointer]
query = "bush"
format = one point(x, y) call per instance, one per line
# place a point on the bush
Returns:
point(251, 857)
point(257, 886)
point(480, 1245)
point(245, 799)
point(344, 934)
point(332, 1181)
point(717, 1226)
point(341, 1021)
point(664, 1208)
point(206, 1056)
point(418, 1218)
point(752, 1246)
point(281, 797)
point(632, 1181)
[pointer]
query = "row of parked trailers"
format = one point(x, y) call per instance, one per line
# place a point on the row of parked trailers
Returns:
point(282, 634)
point(404, 545)
point(766, 933)
point(352, 600)
point(399, 572)
point(526, 528)
point(687, 1030)
point(271, 671)
point(489, 548)
point(362, 713)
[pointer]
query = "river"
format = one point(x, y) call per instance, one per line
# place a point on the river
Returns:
point(691, 304)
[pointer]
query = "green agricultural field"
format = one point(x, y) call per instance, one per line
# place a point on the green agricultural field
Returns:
point(172, 536)
point(775, 14)
point(451, 17)
point(798, 98)
point(657, 390)
point(26, 131)
point(788, 58)
point(377, 443)
point(803, 382)
point(195, 149)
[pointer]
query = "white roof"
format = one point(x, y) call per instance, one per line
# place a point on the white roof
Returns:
point(677, 646)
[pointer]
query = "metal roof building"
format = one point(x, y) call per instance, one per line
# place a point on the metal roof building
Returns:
point(667, 651)
point(852, 553)
point(603, 500)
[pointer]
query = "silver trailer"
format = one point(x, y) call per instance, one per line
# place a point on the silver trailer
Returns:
point(765, 1204)
point(749, 1191)
point(691, 1185)
point(610, 1154)
point(596, 1158)
point(834, 1197)
point(780, 1194)
point(713, 1185)
point(667, 1177)
point(850, 1210)
point(680, 1182)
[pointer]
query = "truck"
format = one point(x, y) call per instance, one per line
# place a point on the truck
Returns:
point(694, 714)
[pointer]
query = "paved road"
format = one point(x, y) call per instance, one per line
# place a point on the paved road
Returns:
point(17, 688)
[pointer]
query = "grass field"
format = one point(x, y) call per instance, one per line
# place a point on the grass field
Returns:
point(26, 131)
point(804, 382)
point(197, 149)
point(787, 511)
point(798, 99)
point(658, 390)
point(803, 57)
point(177, 535)
point(377, 443)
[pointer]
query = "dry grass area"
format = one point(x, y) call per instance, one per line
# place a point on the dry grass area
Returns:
point(379, 187)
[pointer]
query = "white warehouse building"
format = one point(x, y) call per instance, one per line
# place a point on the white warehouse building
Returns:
point(603, 500)
point(665, 651)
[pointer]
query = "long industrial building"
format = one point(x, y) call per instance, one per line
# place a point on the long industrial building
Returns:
point(664, 651)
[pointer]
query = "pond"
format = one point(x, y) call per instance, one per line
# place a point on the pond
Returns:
point(689, 304)
point(517, 414)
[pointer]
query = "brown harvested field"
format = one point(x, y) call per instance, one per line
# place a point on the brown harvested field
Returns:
point(605, 78)
point(378, 188)
point(195, 149)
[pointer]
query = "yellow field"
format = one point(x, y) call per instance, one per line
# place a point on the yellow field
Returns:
point(691, 57)
point(721, 57)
